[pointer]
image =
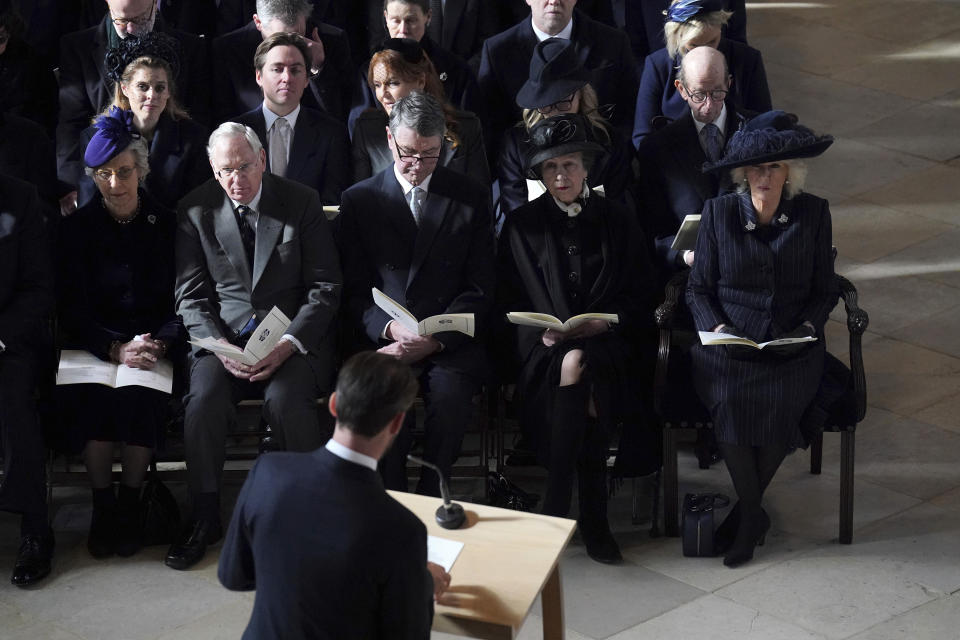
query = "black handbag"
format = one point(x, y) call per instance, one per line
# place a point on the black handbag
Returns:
point(503, 493)
point(698, 524)
point(160, 513)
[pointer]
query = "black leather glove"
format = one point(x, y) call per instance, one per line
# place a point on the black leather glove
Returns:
point(738, 351)
point(791, 350)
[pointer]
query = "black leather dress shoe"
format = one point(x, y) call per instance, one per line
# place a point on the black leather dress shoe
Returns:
point(183, 555)
point(33, 559)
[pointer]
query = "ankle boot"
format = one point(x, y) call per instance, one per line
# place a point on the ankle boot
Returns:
point(566, 439)
point(592, 494)
point(101, 540)
point(129, 522)
point(752, 532)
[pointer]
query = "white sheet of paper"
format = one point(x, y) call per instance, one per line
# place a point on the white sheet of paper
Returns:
point(443, 551)
point(82, 367)
point(159, 378)
point(261, 342)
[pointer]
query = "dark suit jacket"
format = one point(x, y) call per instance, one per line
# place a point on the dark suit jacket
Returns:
point(319, 151)
point(603, 50)
point(29, 86)
point(444, 266)
point(351, 561)
point(27, 153)
point(459, 84)
point(659, 97)
point(85, 90)
point(371, 153)
point(295, 266)
point(26, 275)
point(235, 81)
point(671, 183)
point(178, 162)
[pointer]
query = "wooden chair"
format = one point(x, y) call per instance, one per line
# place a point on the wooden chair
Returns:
point(680, 411)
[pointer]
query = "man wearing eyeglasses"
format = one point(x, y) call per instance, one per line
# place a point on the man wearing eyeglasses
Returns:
point(671, 185)
point(422, 234)
point(246, 242)
point(85, 89)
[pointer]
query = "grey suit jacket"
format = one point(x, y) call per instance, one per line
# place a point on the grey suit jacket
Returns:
point(295, 266)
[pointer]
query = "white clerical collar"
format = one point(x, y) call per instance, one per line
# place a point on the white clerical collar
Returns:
point(253, 204)
point(350, 455)
point(543, 35)
point(406, 186)
point(270, 117)
point(721, 122)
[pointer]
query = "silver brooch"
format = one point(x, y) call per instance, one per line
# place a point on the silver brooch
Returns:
point(152, 219)
point(749, 226)
point(443, 76)
point(783, 219)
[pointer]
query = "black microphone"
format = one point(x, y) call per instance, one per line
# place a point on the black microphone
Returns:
point(450, 515)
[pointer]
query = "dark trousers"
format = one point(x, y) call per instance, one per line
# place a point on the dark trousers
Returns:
point(289, 406)
point(24, 480)
point(448, 401)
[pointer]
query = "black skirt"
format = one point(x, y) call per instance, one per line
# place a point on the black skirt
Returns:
point(132, 415)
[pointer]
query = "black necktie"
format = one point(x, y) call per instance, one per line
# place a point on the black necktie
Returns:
point(435, 28)
point(247, 232)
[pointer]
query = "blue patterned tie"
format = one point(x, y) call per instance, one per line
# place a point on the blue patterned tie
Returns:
point(712, 144)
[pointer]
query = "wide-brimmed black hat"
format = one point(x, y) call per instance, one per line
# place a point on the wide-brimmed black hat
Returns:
point(153, 44)
point(555, 73)
point(686, 9)
point(409, 48)
point(770, 136)
point(558, 136)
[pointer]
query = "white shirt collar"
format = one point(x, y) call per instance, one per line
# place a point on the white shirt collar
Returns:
point(543, 35)
point(721, 122)
point(350, 455)
point(406, 186)
point(253, 204)
point(270, 117)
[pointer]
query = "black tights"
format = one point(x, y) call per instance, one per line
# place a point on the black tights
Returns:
point(752, 469)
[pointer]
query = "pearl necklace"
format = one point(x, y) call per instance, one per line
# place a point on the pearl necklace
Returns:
point(136, 212)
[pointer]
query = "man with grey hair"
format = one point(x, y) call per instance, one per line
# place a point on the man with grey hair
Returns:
point(332, 75)
point(246, 242)
point(672, 185)
point(422, 234)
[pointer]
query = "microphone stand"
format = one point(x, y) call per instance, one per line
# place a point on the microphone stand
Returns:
point(450, 515)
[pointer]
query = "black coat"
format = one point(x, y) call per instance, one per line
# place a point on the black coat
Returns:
point(458, 80)
point(603, 51)
point(766, 281)
point(319, 151)
point(659, 97)
point(29, 86)
point(444, 266)
point(27, 153)
point(85, 90)
point(235, 87)
point(671, 182)
point(353, 563)
point(544, 264)
point(178, 162)
point(116, 280)
point(371, 152)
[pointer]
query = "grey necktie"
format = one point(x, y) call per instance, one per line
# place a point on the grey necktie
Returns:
point(279, 146)
point(712, 144)
point(416, 203)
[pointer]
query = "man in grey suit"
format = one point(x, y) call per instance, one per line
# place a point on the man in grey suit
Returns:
point(245, 243)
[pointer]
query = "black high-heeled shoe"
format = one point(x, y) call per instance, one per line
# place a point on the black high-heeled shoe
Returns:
point(751, 534)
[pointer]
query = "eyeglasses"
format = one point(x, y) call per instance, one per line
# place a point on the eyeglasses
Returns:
point(242, 170)
point(123, 173)
point(411, 158)
point(140, 21)
point(562, 105)
point(699, 97)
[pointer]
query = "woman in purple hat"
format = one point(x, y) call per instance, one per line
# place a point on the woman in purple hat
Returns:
point(116, 283)
point(764, 271)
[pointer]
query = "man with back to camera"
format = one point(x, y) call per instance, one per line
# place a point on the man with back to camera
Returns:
point(302, 144)
point(329, 552)
point(671, 182)
point(247, 242)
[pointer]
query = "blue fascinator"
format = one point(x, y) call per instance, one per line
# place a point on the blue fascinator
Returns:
point(770, 136)
point(114, 133)
point(686, 9)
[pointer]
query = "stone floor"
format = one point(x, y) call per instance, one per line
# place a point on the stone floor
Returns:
point(884, 77)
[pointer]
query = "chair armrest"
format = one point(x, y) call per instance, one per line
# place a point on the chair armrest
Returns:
point(857, 323)
point(665, 314)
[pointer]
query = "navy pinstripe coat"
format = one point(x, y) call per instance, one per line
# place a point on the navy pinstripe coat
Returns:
point(766, 281)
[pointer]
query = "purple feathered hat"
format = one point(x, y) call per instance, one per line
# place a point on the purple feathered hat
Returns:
point(770, 136)
point(114, 133)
